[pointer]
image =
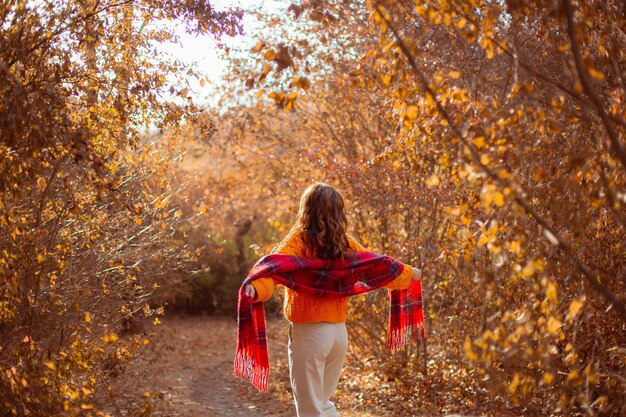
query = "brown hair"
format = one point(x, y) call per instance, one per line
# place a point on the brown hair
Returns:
point(322, 223)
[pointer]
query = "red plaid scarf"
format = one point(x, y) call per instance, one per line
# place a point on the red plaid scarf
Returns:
point(359, 273)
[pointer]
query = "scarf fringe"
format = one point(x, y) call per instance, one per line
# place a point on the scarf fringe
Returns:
point(246, 367)
point(400, 337)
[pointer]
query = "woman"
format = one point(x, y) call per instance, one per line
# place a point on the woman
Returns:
point(318, 338)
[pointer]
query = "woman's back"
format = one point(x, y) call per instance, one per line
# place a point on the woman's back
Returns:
point(301, 308)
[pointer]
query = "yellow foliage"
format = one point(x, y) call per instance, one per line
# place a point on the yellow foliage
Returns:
point(551, 292)
point(432, 181)
point(469, 350)
point(574, 308)
point(411, 112)
point(553, 325)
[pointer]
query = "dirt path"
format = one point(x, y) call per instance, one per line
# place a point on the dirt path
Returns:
point(187, 369)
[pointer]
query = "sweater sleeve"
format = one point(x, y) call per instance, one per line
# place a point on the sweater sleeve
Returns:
point(265, 286)
point(401, 282)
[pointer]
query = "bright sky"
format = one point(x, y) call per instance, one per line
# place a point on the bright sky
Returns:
point(202, 51)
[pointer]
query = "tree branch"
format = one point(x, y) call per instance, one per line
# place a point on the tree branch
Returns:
point(586, 83)
point(590, 276)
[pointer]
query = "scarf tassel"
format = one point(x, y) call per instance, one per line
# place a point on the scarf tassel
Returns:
point(246, 367)
point(397, 338)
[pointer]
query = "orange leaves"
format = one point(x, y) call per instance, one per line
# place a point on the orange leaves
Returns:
point(269, 55)
point(286, 101)
point(469, 350)
point(301, 82)
point(432, 181)
point(411, 112)
point(281, 57)
point(598, 75)
point(490, 195)
point(291, 101)
point(279, 98)
point(259, 46)
point(379, 17)
point(574, 308)
point(553, 325)
point(110, 338)
point(276, 59)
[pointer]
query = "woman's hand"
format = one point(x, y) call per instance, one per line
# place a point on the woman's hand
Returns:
point(417, 274)
point(249, 291)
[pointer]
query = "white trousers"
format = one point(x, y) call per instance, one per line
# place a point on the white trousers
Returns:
point(316, 354)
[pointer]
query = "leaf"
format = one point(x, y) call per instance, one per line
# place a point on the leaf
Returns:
point(259, 46)
point(548, 378)
point(574, 308)
point(269, 55)
point(498, 199)
point(411, 112)
point(514, 383)
point(553, 325)
point(283, 58)
point(301, 82)
point(528, 270)
point(433, 181)
point(515, 246)
point(110, 338)
point(598, 75)
point(551, 292)
point(469, 351)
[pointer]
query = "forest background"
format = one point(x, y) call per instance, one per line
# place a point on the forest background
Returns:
point(481, 140)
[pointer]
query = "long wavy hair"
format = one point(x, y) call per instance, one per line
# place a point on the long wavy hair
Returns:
point(322, 222)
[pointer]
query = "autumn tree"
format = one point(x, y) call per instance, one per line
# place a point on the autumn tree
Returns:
point(89, 223)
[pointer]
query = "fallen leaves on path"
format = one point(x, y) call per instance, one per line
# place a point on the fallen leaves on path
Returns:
point(186, 370)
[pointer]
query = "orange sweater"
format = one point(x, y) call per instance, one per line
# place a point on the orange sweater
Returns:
point(301, 308)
